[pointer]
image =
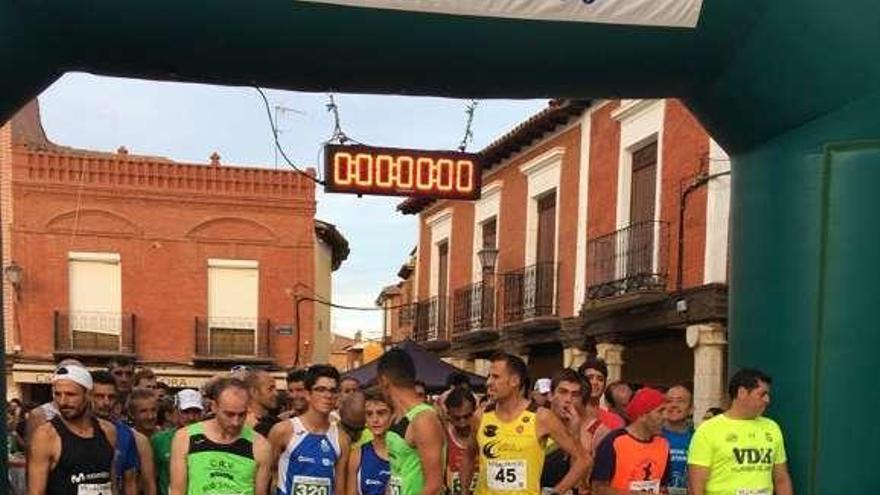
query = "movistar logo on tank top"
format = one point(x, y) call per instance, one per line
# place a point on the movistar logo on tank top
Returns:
point(668, 13)
point(78, 478)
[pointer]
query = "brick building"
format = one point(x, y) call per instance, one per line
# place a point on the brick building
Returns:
point(186, 268)
point(602, 228)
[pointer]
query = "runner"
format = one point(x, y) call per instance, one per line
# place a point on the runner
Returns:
point(221, 456)
point(299, 396)
point(635, 458)
point(73, 453)
point(368, 467)
point(128, 462)
point(264, 400)
point(595, 371)
point(678, 431)
point(189, 410)
point(143, 410)
point(122, 370)
point(45, 412)
point(566, 402)
point(512, 435)
point(415, 440)
point(348, 386)
point(311, 447)
point(740, 451)
point(460, 409)
point(353, 419)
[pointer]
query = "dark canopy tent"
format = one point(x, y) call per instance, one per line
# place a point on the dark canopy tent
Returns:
point(790, 88)
point(430, 369)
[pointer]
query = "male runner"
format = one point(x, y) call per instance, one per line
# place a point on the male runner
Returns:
point(128, 462)
point(595, 371)
point(312, 453)
point(512, 435)
point(368, 467)
point(143, 410)
point(221, 456)
point(460, 409)
point(740, 451)
point(299, 396)
point(566, 399)
point(73, 453)
point(264, 400)
point(122, 370)
point(678, 431)
point(189, 410)
point(416, 439)
point(45, 412)
point(635, 458)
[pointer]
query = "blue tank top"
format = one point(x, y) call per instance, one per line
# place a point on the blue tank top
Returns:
point(308, 464)
point(373, 473)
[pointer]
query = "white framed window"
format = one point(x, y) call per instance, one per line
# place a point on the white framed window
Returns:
point(233, 305)
point(542, 175)
point(487, 207)
point(95, 292)
point(440, 226)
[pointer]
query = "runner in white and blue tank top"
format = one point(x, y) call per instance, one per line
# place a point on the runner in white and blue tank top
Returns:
point(373, 473)
point(308, 464)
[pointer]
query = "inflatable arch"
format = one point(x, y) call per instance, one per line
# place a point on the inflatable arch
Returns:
point(790, 88)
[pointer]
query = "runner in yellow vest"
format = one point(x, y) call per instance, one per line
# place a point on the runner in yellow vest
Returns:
point(511, 436)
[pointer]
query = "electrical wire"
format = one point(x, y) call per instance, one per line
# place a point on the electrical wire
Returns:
point(351, 308)
point(278, 144)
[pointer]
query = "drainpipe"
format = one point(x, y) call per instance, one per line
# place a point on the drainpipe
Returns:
point(699, 181)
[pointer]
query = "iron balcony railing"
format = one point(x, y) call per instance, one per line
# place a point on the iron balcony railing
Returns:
point(431, 320)
point(233, 337)
point(629, 260)
point(530, 292)
point(473, 308)
point(94, 332)
point(406, 315)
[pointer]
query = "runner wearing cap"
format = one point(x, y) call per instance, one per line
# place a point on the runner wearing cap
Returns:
point(512, 435)
point(73, 453)
point(189, 410)
point(45, 412)
point(222, 455)
point(313, 451)
point(635, 458)
point(541, 393)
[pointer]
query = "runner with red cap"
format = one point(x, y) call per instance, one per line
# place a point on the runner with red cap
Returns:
point(635, 458)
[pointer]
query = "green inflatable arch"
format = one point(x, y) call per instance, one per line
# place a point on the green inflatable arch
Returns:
point(791, 89)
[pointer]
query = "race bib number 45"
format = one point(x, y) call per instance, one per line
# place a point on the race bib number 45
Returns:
point(308, 485)
point(507, 475)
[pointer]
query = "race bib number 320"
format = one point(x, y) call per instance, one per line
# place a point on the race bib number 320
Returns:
point(507, 475)
point(308, 485)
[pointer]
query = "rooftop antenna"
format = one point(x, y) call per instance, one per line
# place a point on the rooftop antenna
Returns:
point(281, 110)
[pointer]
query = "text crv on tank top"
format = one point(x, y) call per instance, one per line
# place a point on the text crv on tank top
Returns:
point(85, 465)
point(511, 454)
point(220, 469)
point(407, 476)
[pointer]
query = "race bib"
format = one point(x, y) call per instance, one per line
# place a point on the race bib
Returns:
point(394, 485)
point(93, 489)
point(645, 486)
point(507, 475)
point(309, 485)
point(456, 482)
point(753, 491)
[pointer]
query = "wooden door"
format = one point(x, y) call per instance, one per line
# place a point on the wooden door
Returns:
point(640, 236)
point(545, 267)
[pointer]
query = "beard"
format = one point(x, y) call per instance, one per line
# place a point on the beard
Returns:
point(71, 413)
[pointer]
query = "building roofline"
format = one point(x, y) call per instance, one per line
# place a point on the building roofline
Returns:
point(328, 233)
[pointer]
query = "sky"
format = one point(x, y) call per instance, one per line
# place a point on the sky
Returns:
point(189, 122)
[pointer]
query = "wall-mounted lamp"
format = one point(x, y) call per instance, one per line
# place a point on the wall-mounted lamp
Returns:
point(13, 274)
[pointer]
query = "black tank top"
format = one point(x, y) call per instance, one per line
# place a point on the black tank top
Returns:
point(85, 463)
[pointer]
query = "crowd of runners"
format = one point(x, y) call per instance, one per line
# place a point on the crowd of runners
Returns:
point(120, 431)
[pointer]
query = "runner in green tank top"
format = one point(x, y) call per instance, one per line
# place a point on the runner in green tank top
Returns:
point(221, 456)
point(416, 443)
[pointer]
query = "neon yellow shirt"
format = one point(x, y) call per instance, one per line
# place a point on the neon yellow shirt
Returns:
point(740, 454)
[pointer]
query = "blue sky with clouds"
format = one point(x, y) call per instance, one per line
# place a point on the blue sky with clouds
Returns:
point(188, 122)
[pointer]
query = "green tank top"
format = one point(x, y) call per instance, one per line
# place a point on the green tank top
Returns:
point(407, 477)
point(220, 469)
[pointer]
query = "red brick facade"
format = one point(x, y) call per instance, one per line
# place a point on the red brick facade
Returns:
point(165, 220)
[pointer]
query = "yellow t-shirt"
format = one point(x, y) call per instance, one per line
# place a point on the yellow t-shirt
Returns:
point(511, 455)
point(740, 454)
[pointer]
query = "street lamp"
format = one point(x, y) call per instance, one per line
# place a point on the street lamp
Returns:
point(13, 274)
point(488, 256)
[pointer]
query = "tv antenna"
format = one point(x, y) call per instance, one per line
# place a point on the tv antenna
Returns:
point(281, 111)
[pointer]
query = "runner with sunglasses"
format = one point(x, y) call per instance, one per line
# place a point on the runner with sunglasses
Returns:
point(312, 452)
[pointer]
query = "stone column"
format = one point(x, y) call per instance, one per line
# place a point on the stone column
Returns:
point(572, 357)
point(612, 354)
point(709, 343)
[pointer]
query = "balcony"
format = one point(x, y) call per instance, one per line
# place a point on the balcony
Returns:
point(84, 334)
point(431, 320)
point(473, 309)
point(631, 260)
point(530, 293)
point(233, 340)
point(406, 315)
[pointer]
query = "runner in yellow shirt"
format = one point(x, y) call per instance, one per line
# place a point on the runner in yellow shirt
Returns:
point(740, 452)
